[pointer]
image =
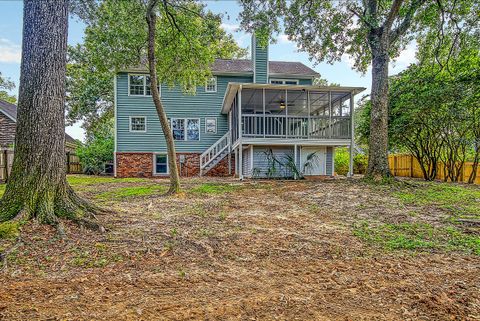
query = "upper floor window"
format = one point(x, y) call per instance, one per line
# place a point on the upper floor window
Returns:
point(284, 81)
point(140, 85)
point(211, 86)
point(185, 128)
point(138, 124)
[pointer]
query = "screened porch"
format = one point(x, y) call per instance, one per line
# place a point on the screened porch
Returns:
point(290, 112)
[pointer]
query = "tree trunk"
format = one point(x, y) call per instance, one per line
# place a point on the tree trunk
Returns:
point(172, 162)
point(378, 142)
point(37, 187)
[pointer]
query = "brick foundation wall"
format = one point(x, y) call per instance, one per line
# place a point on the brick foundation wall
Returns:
point(134, 164)
point(141, 165)
point(221, 169)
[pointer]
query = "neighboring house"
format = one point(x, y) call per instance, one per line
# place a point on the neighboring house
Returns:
point(8, 123)
point(250, 114)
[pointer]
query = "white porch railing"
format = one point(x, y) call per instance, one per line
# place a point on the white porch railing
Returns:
point(221, 146)
point(303, 127)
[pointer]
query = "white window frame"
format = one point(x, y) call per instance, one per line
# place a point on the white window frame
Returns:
point(185, 121)
point(155, 165)
point(130, 124)
point(216, 85)
point(144, 86)
point(283, 81)
point(216, 124)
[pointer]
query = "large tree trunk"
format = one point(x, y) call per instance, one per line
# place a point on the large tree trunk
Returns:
point(172, 162)
point(378, 142)
point(37, 187)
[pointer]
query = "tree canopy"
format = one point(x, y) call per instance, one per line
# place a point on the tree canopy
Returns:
point(5, 85)
point(188, 39)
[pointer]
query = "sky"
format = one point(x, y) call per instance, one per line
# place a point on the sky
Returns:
point(11, 15)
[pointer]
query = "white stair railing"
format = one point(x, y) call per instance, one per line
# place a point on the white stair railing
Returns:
point(213, 152)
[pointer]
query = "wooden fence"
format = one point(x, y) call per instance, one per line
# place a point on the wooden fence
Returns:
point(72, 164)
point(408, 166)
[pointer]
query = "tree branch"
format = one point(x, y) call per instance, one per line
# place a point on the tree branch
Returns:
point(392, 14)
point(407, 21)
point(362, 18)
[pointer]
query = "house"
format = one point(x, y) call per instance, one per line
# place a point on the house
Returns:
point(254, 118)
point(8, 124)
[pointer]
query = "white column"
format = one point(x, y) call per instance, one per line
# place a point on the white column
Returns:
point(352, 137)
point(240, 161)
point(295, 159)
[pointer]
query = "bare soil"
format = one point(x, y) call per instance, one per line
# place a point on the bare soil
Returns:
point(267, 250)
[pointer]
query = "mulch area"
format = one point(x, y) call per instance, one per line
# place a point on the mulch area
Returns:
point(264, 251)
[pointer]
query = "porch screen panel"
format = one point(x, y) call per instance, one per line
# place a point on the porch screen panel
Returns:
point(340, 115)
point(252, 112)
point(275, 113)
point(319, 114)
point(297, 113)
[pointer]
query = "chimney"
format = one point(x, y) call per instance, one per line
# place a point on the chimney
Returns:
point(260, 62)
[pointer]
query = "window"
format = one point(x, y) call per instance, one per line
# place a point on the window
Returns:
point(185, 128)
point(161, 164)
point(284, 82)
point(138, 124)
point(139, 85)
point(211, 86)
point(136, 85)
point(178, 127)
point(210, 125)
point(193, 129)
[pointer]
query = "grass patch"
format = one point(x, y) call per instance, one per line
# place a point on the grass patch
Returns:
point(460, 201)
point(133, 191)
point(214, 188)
point(2, 189)
point(417, 236)
point(83, 180)
point(9, 230)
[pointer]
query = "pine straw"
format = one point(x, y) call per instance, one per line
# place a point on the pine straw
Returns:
point(262, 250)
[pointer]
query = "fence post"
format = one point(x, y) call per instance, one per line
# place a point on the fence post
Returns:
point(68, 162)
point(394, 165)
point(5, 155)
point(411, 165)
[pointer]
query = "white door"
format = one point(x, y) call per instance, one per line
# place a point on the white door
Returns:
point(313, 160)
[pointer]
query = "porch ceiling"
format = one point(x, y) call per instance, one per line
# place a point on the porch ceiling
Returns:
point(233, 88)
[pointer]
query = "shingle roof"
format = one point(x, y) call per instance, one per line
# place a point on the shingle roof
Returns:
point(11, 111)
point(275, 67)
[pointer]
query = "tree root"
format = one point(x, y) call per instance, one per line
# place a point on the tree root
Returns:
point(4, 255)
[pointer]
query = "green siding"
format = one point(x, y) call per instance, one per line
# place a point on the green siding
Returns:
point(305, 81)
point(176, 104)
point(260, 59)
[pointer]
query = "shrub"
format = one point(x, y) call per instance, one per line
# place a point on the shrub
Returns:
point(98, 148)
point(342, 158)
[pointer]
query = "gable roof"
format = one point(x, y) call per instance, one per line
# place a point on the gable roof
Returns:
point(275, 67)
point(10, 110)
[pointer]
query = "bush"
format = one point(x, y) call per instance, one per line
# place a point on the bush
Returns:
point(98, 148)
point(342, 158)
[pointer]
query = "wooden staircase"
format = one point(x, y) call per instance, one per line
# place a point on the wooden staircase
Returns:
point(215, 153)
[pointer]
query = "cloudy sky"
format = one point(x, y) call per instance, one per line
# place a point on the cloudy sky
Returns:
point(11, 14)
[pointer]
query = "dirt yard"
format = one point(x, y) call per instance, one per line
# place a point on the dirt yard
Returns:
point(225, 250)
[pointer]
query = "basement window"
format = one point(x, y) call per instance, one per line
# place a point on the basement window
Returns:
point(161, 164)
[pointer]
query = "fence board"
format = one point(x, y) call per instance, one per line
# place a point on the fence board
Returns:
point(405, 165)
point(73, 165)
